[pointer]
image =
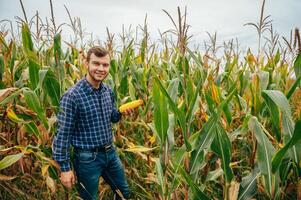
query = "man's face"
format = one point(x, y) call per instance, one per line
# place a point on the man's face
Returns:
point(98, 67)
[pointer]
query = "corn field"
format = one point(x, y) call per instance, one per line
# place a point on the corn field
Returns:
point(218, 123)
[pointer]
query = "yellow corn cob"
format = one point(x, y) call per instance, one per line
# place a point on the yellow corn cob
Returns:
point(132, 105)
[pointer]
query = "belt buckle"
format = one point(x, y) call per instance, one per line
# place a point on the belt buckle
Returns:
point(107, 147)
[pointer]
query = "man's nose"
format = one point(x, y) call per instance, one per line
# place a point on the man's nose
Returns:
point(100, 67)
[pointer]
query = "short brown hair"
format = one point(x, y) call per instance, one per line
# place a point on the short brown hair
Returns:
point(97, 51)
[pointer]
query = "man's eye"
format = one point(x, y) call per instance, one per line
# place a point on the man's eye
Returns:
point(105, 65)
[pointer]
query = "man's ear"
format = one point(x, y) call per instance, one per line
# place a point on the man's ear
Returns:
point(86, 63)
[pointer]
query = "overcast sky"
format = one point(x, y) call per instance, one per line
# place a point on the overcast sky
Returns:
point(226, 17)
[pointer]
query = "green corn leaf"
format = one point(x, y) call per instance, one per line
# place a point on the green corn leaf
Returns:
point(199, 163)
point(277, 57)
point(52, 87)
point(285, 168)
point(197, 192)
point(26, 38)
point(34, 68)
point(128, 52)
point(143, 47)
point(222, 147)
point(57, 50)
point(263, 79)
point(3, 42)
point(248, 186)
point(31, 127)
point(275, 115)
point(160, 176)
point(293, 88)
point(189, 90)
point(178, 158)
point(33, 103)
point(180, 115)
point(264, 153)
point(227, 113)
point(193, 102)
point(214, 175)
point(9, 160)
point(279, 99)
point(173, 89)
point(12, 58)
point(160, 113)
point(132, 90)
point(297, 65)
point(206, 136)
point(226, 101)
point(288, 131)
point(171, 131)
point(277, 158)
point(124, 86)
point(113, 68)
point(196, 60)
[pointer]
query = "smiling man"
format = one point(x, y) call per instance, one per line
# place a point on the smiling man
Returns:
point(87, 111)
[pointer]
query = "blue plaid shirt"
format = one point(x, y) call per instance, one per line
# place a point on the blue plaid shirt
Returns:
point(84, 120)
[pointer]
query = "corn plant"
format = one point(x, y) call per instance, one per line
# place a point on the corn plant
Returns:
point(211, 126)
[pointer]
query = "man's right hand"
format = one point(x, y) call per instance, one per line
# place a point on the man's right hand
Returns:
point(68, 179)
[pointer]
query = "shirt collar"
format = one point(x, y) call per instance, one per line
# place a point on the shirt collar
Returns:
point(89, 87)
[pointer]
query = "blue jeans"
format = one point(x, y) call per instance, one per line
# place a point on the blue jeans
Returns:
point(89, 166)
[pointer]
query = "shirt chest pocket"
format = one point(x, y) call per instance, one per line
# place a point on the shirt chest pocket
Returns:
point(107, 105)
point(88, 112)
point(96, 111)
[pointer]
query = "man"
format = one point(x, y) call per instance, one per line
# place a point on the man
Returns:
point(84, 121)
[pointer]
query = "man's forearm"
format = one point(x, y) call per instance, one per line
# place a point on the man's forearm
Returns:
point(60, 151)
